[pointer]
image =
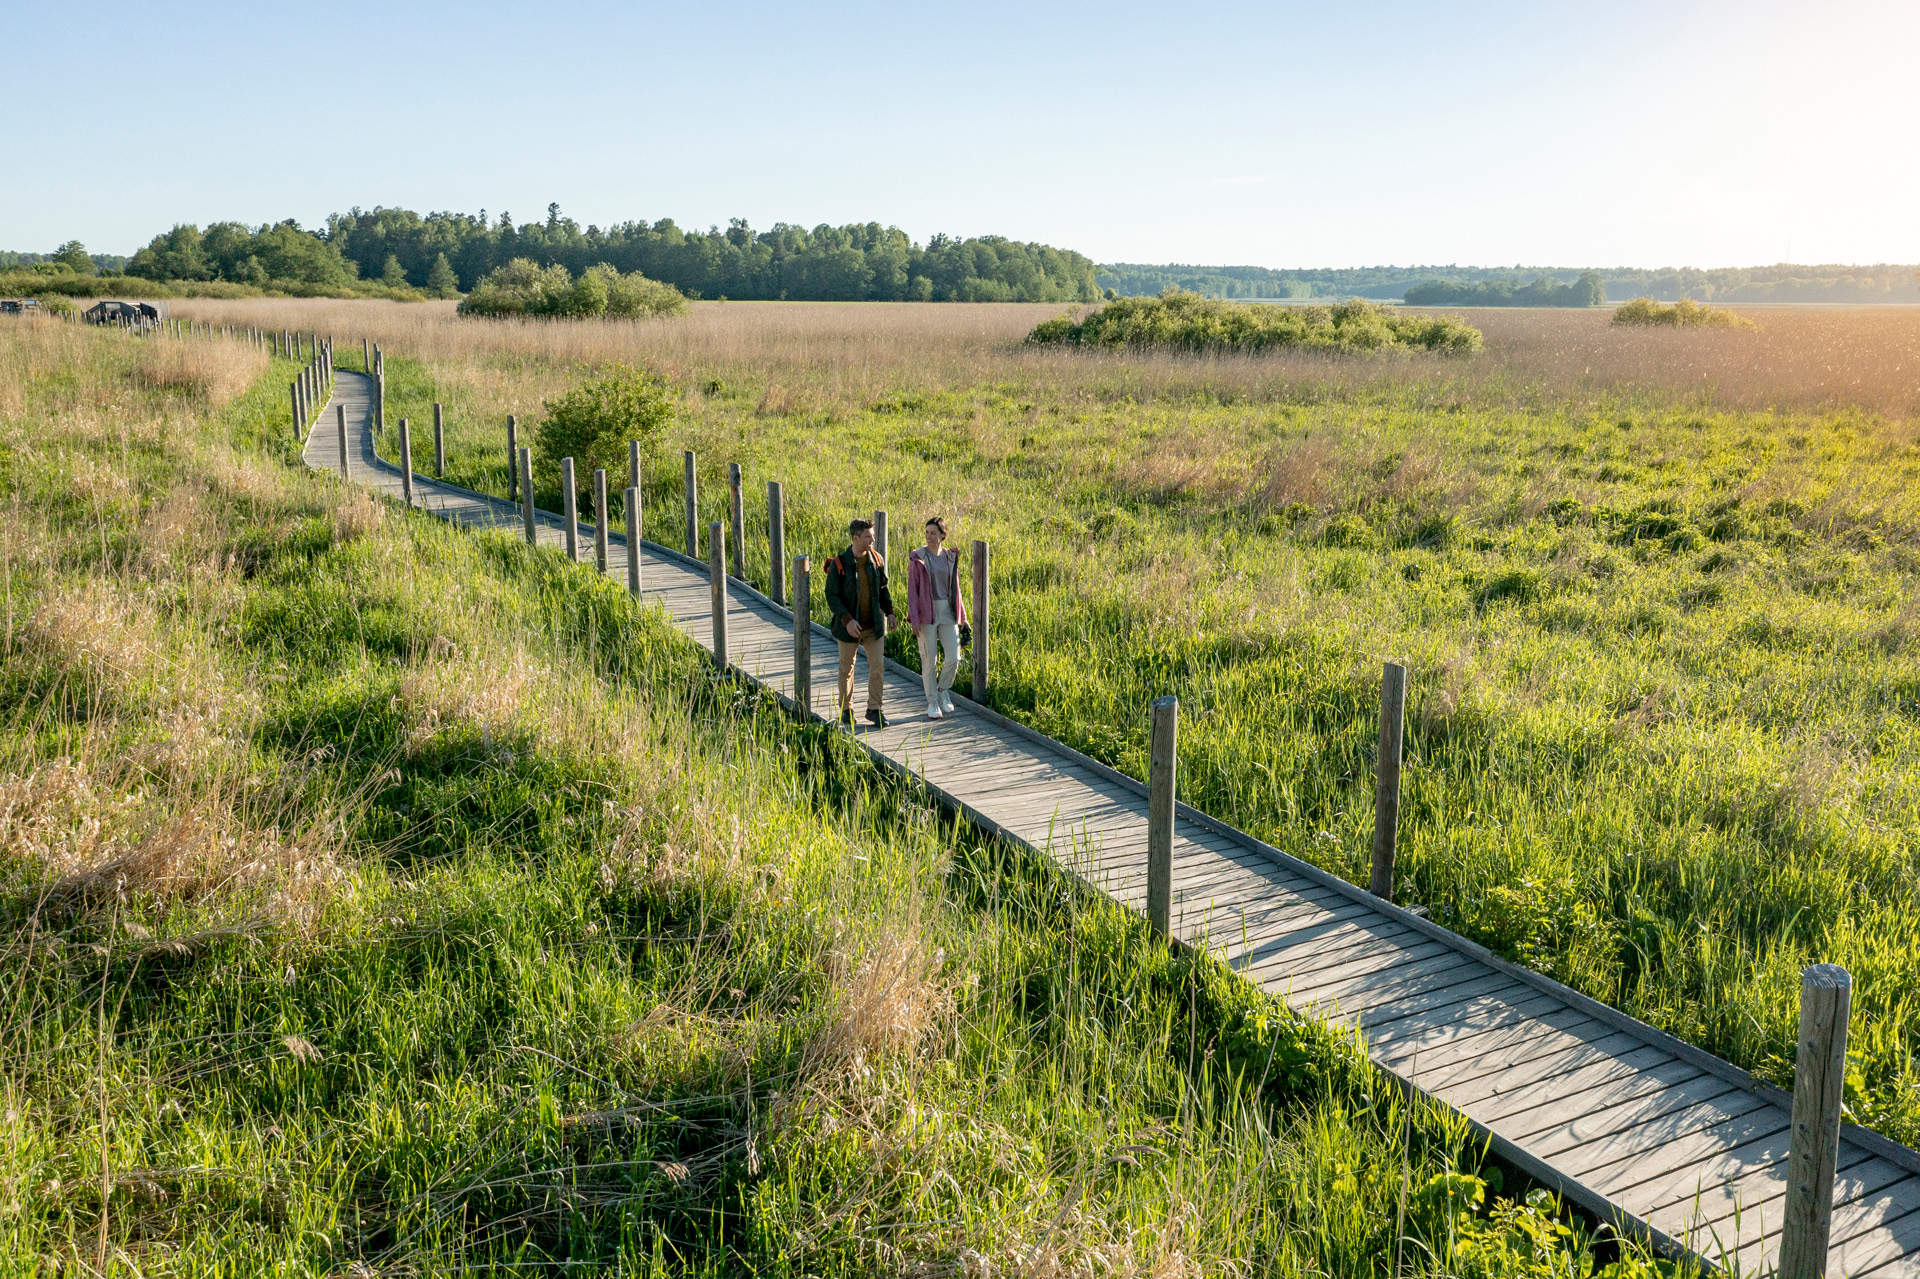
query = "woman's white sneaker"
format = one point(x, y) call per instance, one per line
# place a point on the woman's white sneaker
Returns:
point(946, 701)
point(933, 710)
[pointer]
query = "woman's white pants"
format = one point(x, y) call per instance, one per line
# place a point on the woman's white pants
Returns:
point(937, 676)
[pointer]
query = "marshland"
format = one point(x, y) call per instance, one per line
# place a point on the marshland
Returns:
point(392, 900)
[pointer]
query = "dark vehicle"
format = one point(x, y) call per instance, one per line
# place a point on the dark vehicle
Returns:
point(125, 313)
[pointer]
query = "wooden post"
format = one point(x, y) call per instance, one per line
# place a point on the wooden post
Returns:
point(366, 355)
point(633, 540)
point(293, 395)
point(513, 452)
point(880, 543)
point(439, 443)
point(777, 541)
point(406, 464)
point(1162, 771)
point(340, 427)
point(693, 511)
point(802, 636)
point(1386, 794)
point(526, 497)
point(980, 621)
point(570, 507)
point(717, 574)
point(633, 464)
point(1813, 1146)
point(600, 519)
point(739, 517)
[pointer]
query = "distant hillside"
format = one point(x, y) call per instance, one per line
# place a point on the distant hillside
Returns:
point(1784, 282)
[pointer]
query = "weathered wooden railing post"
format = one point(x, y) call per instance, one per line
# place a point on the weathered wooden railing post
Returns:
point(526, 497)
point(981, 624)
point(776, 542)
point(439, 443)
point(1386, 794)
point(1813, 1146)
point(803, 635)
point(513, 454)
point(366, 355)
point(717, 575)
point(600, 519)
point(1162, 774)
point(880, 542)
point(293, 397)
point(570, 509)
point(340, 428)
point(406, 464)
point(633, 540)
point(633, 464)
point(693, 510)
point(737, 514)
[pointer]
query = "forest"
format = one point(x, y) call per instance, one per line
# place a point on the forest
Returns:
point(1782, 282)
point(444, 252)
point(1588, 290)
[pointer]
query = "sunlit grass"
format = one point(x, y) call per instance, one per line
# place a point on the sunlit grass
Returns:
point(388, 899)
point(1657, 590)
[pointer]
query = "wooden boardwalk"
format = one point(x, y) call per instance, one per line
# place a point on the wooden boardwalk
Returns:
point(1663, 1139)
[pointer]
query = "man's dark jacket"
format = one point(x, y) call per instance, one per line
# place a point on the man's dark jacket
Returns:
point(843, 593)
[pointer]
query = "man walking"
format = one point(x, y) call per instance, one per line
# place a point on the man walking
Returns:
point(857, 593)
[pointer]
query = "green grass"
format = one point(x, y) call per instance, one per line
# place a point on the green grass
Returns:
point(387, 899)
point(1664, 717)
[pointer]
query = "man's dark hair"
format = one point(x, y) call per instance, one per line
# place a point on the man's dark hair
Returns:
point(857, 527)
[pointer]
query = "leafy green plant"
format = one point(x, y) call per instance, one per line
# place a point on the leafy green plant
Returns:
point(524, 287)
point(1185, 321)
point(1684, 314)
point(592, 422)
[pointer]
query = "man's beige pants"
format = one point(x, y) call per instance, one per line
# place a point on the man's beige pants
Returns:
point(876, 669)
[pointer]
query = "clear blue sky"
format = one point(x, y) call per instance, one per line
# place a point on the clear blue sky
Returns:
point(1595, 133)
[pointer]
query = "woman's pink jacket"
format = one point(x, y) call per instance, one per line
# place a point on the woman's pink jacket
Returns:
point(920, 589)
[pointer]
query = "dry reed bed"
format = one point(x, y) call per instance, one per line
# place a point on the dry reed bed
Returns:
point(842, 357)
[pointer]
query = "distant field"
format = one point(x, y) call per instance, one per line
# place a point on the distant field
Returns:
point(1658, 590)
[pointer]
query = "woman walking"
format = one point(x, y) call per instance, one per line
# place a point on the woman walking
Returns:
point(937, 613)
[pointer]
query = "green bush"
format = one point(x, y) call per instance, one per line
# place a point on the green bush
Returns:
point(1187, 321)
point(524, 287)
point(1684, 314)
point(592, 423)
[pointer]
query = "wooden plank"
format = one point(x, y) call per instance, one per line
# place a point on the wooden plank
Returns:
point(1751, 1181)
point(1438, 1016)
point(1313, 983)
point(1643, 1097)
point(1485, 1076)
point(1680, 1142)
point(1571, 1096)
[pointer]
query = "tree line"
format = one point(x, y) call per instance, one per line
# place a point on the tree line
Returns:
point(1588, 290)
point(1781, 282)
point(447, 252)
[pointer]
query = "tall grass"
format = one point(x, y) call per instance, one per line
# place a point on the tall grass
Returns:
point(1657, 588)
point(392, 900)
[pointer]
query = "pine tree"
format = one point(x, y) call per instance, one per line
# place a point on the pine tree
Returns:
point(441, 279)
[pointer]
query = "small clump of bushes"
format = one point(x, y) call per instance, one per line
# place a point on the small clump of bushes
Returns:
point(1684, 314)
point(524, 287)
point(1184, 321)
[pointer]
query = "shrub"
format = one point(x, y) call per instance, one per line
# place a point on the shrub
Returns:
point(1685, 314)
point(592, 423)
point(524, 287)
point(1186, 321)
